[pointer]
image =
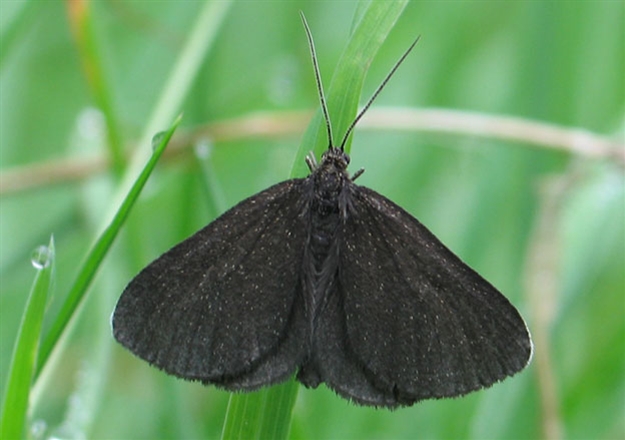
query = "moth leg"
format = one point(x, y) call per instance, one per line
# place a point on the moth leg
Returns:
point(357, 174)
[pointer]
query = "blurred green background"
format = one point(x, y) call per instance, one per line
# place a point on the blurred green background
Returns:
point(546, 227)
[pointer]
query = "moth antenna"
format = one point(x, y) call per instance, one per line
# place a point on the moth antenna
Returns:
point(322, 98)
point(376, 93)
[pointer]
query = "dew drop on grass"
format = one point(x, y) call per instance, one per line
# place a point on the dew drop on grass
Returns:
point(203, 149)
point(156, 139)
point(41, 257)
point(38, 429)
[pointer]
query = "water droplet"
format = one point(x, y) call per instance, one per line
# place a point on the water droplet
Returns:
point(38, 429)
point(203, 149)
point(157, 139)
point(41, 257)
point(91, 124)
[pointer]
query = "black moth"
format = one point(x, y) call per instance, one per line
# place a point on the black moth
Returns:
point(331, 281)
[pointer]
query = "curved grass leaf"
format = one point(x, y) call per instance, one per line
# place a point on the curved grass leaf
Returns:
point(17, 391)
point(343, 95)
point(99, 250)
point(81, 18)
point(267, 413)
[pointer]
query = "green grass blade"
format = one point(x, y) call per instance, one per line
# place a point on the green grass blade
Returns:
point(82, 21)
point(263, 414)
point(185, 70)
point(17, 391)
point(99, 250)
point(267, 413)
point(370, 31)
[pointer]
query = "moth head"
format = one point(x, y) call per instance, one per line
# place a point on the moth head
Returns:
point(336, 158)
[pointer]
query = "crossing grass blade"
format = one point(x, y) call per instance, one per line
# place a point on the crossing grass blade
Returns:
point(99, 250)
point(267, 413)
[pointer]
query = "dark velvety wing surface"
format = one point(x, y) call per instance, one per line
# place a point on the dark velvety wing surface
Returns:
point(334, 361)
point(224, 306)
point(421, 322)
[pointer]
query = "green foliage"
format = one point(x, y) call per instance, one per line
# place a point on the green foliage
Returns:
point(546, 227)
point(100, 249)
point(22, 367)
